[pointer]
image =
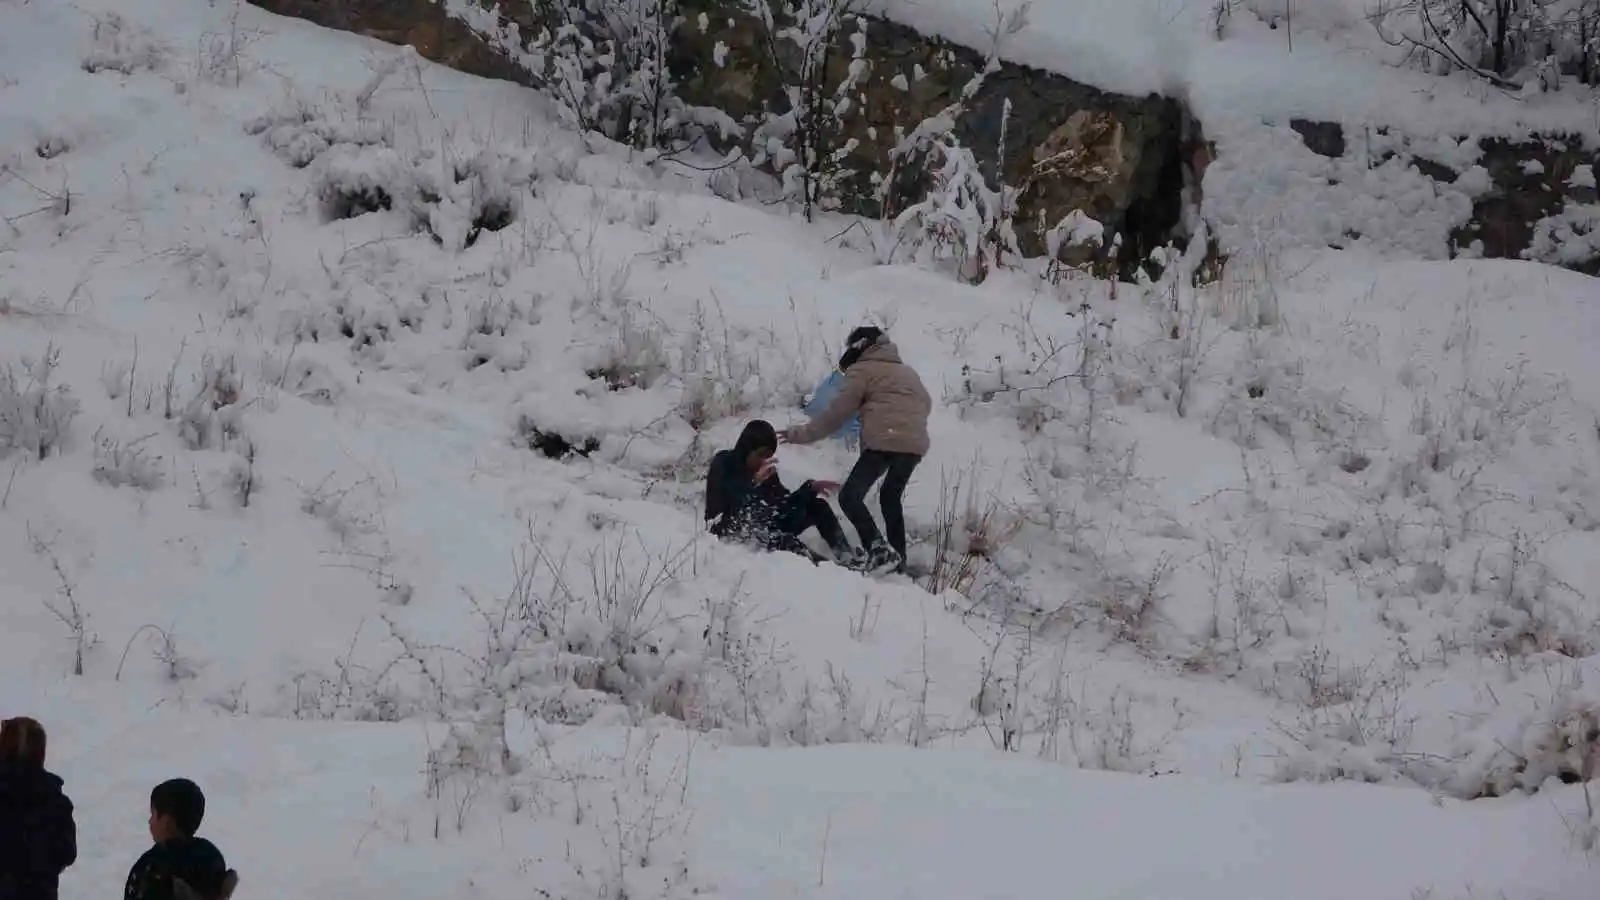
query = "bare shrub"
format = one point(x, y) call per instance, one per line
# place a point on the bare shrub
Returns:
point(175, 667)
point(968, 533)
point(118, 46)
point(35, 415)
point(243, 483)
point(339, 507)
point(65, 606)
point(221, 56)
point(127, 463)
point(212, 418)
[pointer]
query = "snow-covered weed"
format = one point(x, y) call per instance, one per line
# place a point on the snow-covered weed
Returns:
point(119, 463)
point(564, 647)
point(627, 804)
point(221, 56)
point(970, 530)
point(119, 46)
point(243, 481)
point(1362, 733)
point(1268, 396)
point(213, 416)
point(1560, 741)
point(299, 132)
point(1570, 237)
point(66, 606)
point(726, 372)
point(175, 666)
point(35, 415)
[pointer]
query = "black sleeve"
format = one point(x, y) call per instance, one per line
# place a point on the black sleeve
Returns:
point(726, 487)
point(63, 837)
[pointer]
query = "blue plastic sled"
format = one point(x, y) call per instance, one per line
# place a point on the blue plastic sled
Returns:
point(822, 396)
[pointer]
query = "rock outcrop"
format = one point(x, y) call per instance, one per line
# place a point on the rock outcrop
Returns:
point(1124, 161)
point(1534, 199)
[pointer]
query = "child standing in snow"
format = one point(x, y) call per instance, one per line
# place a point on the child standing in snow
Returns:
point(180, 866)
point(894, 407)
point(38, 838)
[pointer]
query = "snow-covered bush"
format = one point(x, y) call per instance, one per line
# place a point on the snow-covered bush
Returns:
point(803, 142)
point(35, 415)
point(970, 531)
point(934, 191)
point(604, 62)
point(353, 180)
point(576, 637)
point(213, 416)
point(1560, 741)
point(961, 218)
point(483, 191)
point(1269, 395)
point(127, 464)
point(300, 133)
point(1073, 241)
point(119, 46)
point(1570, 238)
point(1507, 42)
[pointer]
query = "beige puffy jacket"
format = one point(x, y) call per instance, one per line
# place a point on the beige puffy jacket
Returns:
point(890, 397)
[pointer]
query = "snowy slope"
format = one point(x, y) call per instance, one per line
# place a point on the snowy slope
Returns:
point(1332, 518)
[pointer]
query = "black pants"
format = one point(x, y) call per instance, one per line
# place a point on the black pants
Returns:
point(800, 512)
point(895, 469)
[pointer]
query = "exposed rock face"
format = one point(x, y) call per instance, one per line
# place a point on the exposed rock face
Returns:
point(1125, 161)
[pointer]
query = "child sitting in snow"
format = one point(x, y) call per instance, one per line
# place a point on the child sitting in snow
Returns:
point(180, 866)
point(746, 501)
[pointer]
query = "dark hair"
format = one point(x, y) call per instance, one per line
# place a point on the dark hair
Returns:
point(182, 800)
point(857, 343)
point(757, 435)
point(22, 740)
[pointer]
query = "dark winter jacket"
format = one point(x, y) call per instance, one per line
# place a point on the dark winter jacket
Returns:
point(737, 508)
point(38, 838)
point(887, 394)
point(195, 861)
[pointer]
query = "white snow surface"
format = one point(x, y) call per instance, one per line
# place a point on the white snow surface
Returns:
point(1332, 519)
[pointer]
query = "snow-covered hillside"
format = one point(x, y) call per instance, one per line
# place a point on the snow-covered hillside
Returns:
point(295, 325)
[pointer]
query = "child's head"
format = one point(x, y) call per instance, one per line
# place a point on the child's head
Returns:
point(757, 444)
point(22, 741)
point(176, 808)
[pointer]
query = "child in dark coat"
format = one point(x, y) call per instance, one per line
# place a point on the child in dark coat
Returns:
point(747, 502)
point(38, 838)
point(180, 866)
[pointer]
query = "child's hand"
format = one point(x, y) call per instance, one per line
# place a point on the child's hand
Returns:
point(767, 470)
point(825, 487)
